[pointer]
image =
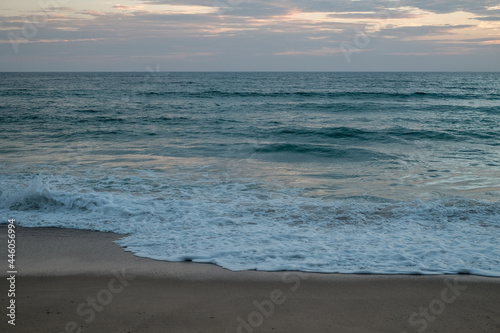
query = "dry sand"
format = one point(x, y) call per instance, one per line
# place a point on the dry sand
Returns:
point(80, 281)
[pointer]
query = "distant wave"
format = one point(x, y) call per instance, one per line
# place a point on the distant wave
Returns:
point(335, 132)
point(316, 94)
point(389, 134)
point(325, 151)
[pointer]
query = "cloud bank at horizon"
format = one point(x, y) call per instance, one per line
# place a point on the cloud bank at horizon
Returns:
point(251, 35)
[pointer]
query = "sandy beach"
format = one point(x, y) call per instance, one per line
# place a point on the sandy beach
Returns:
point(80, 281)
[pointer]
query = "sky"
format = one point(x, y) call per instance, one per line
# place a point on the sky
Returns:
point(258, 35)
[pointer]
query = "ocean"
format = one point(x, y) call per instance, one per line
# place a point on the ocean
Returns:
point(375, 173)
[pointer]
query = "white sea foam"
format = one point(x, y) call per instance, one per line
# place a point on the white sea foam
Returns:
point(326, 172)
point(246, 224)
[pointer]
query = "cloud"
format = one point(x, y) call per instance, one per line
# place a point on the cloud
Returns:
point(124, 7)
point(266, 8)
point(258, 34)
point(488, 18)
point(92, 13)
point(173, 55)
point(269, 8)
point(491, 42)
point(376, 15)
point(75, 40)
point(422, 30)
point(324, 51)
point(447, 6)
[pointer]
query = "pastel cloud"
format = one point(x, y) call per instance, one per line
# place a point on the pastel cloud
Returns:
point(125, 7)
point(255, 35)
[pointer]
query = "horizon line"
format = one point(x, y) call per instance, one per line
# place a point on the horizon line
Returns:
point(257, 71)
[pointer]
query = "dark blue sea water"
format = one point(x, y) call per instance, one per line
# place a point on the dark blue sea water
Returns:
point(324, 172)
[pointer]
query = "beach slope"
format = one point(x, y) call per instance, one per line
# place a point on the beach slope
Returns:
point(80, 281)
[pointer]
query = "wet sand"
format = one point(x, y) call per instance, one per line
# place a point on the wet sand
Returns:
point(80, 281)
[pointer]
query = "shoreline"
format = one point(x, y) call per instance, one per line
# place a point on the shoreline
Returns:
point(80, 281)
